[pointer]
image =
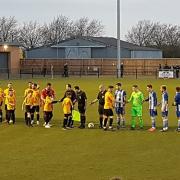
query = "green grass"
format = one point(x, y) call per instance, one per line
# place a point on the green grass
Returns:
point(90, 154)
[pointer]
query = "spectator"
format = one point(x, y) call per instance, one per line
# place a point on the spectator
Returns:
point(44, 70)
point(122, 69)
point(65, 74)
point(160, 67)
point(177, 71)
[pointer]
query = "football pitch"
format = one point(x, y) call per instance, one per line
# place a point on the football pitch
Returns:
point(90, 154)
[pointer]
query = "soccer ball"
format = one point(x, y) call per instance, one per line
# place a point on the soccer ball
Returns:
point(91, 125)
point(11, 121)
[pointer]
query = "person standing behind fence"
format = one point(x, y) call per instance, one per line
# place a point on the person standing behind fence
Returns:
point(101, 99)
point(66, 69)
point(82, 103)
point(122, 70)
point(177, 71)
point(44, 70)
point(6, 94)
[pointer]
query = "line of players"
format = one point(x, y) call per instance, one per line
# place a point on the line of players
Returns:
point(34, 99)
point(118, 102)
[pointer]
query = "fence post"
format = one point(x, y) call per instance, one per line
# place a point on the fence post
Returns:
point(116, 73)
point(80, 72)
point(8, 72)
point(20, 73)
point(136, 73)
point(98, 72)
point(156, 73)
point(32, 73)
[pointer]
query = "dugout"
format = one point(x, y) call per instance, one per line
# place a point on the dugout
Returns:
point(10, 55)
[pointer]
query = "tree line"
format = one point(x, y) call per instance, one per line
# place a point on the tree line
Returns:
point(32, 34)
point(158, 35)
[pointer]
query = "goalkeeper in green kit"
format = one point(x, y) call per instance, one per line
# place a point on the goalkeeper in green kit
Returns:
point(136, 100)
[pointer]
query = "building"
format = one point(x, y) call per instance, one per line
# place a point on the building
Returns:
point(10, 55)
point(92, 47)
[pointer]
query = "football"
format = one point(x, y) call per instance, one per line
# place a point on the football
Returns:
point(91, 125)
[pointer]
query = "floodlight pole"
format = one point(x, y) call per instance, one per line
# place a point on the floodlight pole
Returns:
point(118, 39)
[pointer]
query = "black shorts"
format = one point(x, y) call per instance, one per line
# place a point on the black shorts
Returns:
point(81, 109)
point(67, 115)
point(101, 109)
point(29, 109)
point(36, 109)
point(5, 107)
point(108, 112)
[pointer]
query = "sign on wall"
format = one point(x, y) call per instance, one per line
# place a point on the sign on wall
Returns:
point(74, 52)
point(166, 74)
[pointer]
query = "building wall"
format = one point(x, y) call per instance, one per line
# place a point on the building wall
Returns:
point(13, 58)
point(97, 52)
point(109, 52)
point(45, 52)
point(146, 54)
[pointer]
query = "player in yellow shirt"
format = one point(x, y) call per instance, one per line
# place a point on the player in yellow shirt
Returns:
point(6, 93)
point(11, 104)
point(67, 106)
point(48, 108)
point(25, 94)
point(1, 103)
point(108, 108)
point(37, 102)
point(27, 89)
point(1, 91)
point(29, 103)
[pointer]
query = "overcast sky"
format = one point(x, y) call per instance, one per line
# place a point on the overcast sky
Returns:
point(165, 11)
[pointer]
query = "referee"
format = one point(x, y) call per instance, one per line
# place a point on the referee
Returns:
point(82, 102)
point(100, 99)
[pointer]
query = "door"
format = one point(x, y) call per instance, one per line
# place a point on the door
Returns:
point(3, 62)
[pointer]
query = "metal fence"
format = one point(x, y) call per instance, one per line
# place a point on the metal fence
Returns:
point(26, 73)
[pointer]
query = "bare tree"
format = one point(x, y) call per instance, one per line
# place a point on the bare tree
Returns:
point(163, 36)
point(62, 28)
point(172, 35)
point(86, 27)
point(59, 29)
point(141, 34)
point(30, 35)
point(159, 35)
point(8, 29)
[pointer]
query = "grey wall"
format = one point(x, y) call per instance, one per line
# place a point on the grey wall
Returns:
point(109, 52)
point(146, 54)
point(45, 52)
